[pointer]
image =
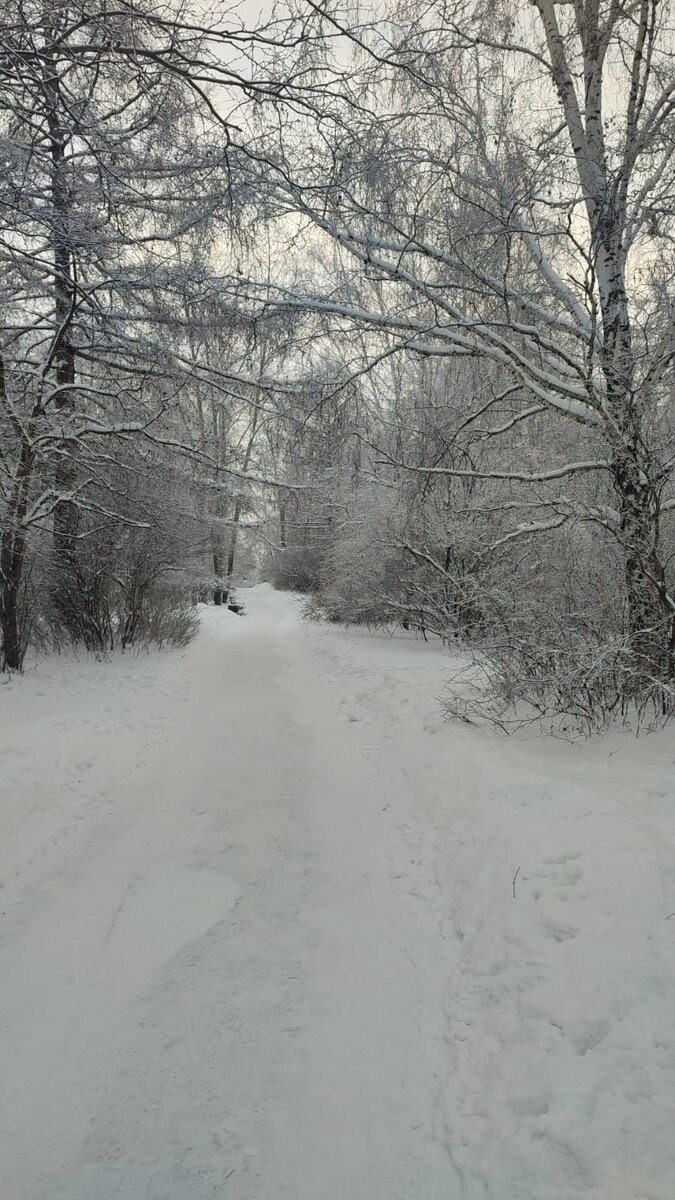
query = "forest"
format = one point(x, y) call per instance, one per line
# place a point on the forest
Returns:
point(375, 303)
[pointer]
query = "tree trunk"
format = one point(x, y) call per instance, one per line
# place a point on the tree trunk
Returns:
point(66, 512)
point(217, 591)
point(12, 562)
point(236, 517)
point(649, 610)
point(11, 570)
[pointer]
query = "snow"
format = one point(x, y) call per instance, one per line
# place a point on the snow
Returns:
point(273, 930)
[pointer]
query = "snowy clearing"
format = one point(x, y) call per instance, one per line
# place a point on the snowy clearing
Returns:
point(271, 930)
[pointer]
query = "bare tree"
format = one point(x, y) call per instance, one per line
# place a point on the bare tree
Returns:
point(503, 193)
point(121, 127)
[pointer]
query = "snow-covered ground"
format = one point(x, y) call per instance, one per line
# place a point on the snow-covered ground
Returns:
point(272, 930)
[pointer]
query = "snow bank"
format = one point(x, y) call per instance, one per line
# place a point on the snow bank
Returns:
point(555, 867)
point(73, 732)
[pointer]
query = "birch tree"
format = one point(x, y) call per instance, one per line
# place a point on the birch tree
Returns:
point(113, 153)
point(503, 192)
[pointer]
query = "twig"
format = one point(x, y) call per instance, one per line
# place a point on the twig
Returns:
point(513, 886)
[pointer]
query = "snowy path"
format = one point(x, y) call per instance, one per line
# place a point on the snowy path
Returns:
point(210, 986)
point(271, 931)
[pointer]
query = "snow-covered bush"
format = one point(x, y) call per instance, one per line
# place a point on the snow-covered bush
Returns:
point(115, 596)
point(381, 568)
point(164, 618)
point(555, 648)
point(570, 685)
point(296, 569)
point(129, 579)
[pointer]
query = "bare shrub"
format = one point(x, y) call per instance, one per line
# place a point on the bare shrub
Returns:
point(571, 687)
point(558, 651)
point(377, 573)
point(296, 569)
point(165, 618)
point(119, 592)
point(80, 608)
